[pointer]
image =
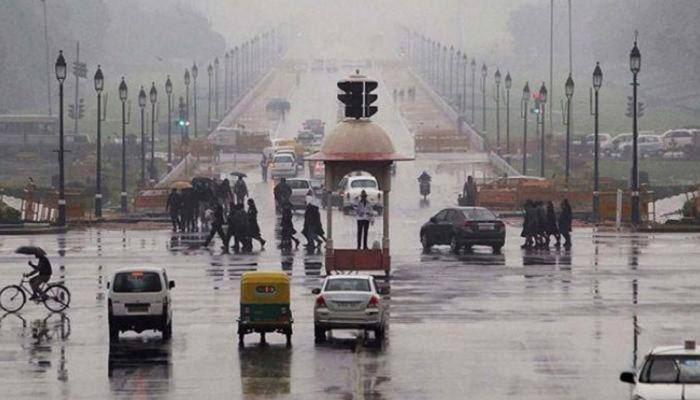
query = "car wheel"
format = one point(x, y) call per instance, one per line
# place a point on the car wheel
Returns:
point(319, 334)
point(454, 246)
point(113, 332)
point(166, 330)
point(425, 242)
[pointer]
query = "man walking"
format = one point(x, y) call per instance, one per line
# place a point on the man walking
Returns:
point(172, 207)
point(240, 190)
point(565, 217)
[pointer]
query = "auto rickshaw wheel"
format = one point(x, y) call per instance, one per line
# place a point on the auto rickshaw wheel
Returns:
point(288, 334)
point(241, 337)
point(262, 338)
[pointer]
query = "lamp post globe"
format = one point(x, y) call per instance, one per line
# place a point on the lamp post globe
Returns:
point(99, 80)
point(526, 92)
point(60, 67)
point(509, 81)
point(597, 77)
point(123, 90)
point(153, 93)
point(484, 71)
point(187, 77)
point(195, 71)
point(543, 93)
point(497, 77)
point(569, 87)
point(142, 98)
point(168, 86)
point(635, 59)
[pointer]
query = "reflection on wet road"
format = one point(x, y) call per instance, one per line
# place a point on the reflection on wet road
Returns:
point(529, 324)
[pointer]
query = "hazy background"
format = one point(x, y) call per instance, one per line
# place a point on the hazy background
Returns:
point(138, 38)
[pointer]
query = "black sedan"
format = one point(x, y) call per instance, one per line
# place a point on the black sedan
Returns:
point(463, 227)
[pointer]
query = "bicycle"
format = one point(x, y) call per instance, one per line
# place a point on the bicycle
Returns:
point(13, 297)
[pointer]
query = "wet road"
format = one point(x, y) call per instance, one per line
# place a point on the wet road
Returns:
point(543, 325)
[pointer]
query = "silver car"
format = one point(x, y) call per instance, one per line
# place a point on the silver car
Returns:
point(349, 302)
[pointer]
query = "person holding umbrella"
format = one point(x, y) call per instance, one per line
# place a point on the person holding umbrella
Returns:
point(41, 271)
point(240, 189)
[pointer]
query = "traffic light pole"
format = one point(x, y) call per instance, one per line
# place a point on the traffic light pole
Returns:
point(170, 143)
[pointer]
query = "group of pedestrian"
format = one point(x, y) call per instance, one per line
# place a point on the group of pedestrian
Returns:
point(188, 207)
point(241, 226)
point(401, 93)
point(541, 223)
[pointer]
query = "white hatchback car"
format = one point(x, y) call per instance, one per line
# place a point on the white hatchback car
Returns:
point(349, 302)
point(138, 300)
point(283, 165)
point(668, 372)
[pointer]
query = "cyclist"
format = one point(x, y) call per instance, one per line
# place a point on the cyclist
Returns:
point(41, 273)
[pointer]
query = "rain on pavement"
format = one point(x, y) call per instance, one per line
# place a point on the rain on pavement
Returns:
point(531, 325)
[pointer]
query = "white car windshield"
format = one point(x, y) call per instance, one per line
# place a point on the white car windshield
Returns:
point(298, 184)
point(671, 369)
point(347, 285)
point(284, 159)
point(363, 183)
point(137, 282)
point(478, 214)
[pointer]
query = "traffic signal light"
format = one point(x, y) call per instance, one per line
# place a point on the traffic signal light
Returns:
point(357, 98)
point(71, 111)
point(81, 109)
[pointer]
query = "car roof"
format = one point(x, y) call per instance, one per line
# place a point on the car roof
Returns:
point(674, 351)
point(332, 277)
point(144, 269)
point(364, 177)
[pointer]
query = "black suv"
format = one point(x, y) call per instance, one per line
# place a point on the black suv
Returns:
point(463, 227)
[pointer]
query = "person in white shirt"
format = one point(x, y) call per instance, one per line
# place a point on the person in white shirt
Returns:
point(364, 214)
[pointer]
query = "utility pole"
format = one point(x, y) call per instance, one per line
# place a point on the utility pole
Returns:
point(551, 73)
point(48, 63)
point(76, 72)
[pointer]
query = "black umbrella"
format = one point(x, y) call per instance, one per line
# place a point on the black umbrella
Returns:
point(31, 251)
point(239, 174)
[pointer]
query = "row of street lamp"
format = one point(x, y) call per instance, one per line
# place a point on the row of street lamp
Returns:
point(245, 64)
point(431, 60)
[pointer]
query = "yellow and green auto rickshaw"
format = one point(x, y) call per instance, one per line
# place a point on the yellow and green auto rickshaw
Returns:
point(265, 305)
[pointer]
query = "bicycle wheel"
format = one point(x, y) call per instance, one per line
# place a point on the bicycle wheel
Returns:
point(57, 298)
point(12, 298)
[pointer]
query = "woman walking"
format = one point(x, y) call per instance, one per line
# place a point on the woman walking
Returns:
point(253, 227)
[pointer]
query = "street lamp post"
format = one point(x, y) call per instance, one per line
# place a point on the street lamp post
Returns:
point(543, 101)
point(169, 92)
point(523, 113)
point(226, 65)
point(597, 83)
point(187, 101)
point(210, 72)
point(142, 105)
point(464, 85)
point(61, 77)
point(195, 72)
point(635, 67)
point(473, 90)
point(216, 85)
point(509, 84)
point(99, 86)
point(497, 79)
point(443, 83)
point(484, 73)
point(153, 95)
point(451, 72)
point(123, 90)
point(569, 92)
point(457, 96)
point(237, 55)
point(230, 79)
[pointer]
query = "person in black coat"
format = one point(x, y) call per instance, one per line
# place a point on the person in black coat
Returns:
point(529, 221)
point(313, 229)
point(565, 217)
point(287, 230)
point(551, 228)
point(253, 227)
point(217, 226)
point(172, 207)
point(238, 228)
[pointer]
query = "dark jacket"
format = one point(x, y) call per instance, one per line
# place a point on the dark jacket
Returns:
point(312, 221)
point(282, 192)
point(529, 221)
point(286, 225)
point(43, 267)
point(238, 223)
point(253, 227)
point(240, 188)
point(173, 203)
point(565, 219)
point(551, 225)
point(218, 215)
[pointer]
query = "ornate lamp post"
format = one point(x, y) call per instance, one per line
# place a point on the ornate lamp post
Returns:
point(61, 77)
point(635, 67)
point(123, 91)
point(216, 85)
point(497, 80)
point(509, 84)
point(195, 72)
point(142, 105)
point(153, 96)
point(473, 90)
point(169, 92)
point(523, 113)
point(569, 92)
point(210, 73)
point(597, 83)
point(99, 87)
point(187, 101)
point(451, 73)
point(226, 65)
point(484, 73)
point(236, 54)
point(465, 62)
point(543, 101)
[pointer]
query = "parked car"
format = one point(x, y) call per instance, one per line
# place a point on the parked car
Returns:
point(283, 165)
point(349, 302)
point(138, 299)
point(604, 140)
point(616, 143)
point(648, 145)
point(668, 372)
point(300, 188)
point(463, 227)
point(676, 139)
point(350, 188)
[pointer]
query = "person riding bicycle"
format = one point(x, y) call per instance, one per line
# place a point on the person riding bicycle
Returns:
point(41, 273)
